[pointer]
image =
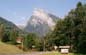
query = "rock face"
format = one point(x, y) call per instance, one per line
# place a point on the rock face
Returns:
point(40, 22)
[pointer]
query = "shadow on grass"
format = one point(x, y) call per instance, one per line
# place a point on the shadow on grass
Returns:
point(79, 54)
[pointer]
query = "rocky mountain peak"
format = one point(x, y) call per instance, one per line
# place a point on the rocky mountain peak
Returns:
point(41, 22)
point(42, 17)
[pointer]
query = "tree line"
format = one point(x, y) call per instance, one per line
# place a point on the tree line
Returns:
point(71, 30)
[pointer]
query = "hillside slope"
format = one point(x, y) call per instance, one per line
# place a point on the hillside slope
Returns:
point(8, 25)
point(7, 48)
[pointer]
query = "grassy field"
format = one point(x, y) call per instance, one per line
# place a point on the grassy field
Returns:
point(49, 53)
point(57, 53)
point(6, 48)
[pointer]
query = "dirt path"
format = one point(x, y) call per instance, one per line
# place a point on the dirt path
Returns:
point(30, 53)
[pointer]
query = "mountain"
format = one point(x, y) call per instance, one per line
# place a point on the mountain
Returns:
point(41, 22)
point(8, 25)
point(20, 27)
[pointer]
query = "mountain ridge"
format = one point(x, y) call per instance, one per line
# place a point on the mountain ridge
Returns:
point(8, 25)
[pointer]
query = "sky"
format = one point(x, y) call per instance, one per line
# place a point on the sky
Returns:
point(19, 11)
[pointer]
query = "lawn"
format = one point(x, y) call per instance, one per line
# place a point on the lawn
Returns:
point(57, 53)
point(7, 48)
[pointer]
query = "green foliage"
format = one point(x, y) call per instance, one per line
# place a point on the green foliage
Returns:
point(1, 31)
point(10, 36)
point(30, 40)
point(71, 30)
point(8, 31)
point(5, 38)
point(13, 35)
